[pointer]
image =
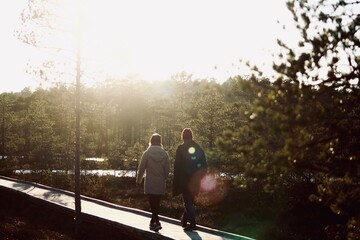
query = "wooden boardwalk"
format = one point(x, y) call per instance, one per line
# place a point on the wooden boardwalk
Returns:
point(126, 219)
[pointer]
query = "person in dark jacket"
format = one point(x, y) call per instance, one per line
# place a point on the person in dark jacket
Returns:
point(189, 168)
point(155, 164)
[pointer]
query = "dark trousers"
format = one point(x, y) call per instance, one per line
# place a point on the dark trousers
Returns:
point(189, 213)
point(154, 201)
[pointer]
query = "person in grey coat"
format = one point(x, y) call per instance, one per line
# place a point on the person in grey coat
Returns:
point(155, 165)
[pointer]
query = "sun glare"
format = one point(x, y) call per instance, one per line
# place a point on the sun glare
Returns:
point(157, 39)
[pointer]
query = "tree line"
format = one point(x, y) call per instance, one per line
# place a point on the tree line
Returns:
point(117, 118)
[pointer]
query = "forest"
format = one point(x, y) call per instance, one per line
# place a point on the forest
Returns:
point(291, 142)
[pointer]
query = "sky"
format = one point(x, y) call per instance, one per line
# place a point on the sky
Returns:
point(152, 40)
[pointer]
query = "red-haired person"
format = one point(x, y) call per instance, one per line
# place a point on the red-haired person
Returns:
point(189, 168)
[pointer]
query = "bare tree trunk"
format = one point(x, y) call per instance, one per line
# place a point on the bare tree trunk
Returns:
point(77, 134)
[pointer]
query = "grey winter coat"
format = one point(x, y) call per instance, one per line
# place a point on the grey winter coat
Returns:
point(155, 164)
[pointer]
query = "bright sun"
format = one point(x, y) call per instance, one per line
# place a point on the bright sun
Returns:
point(159, 38)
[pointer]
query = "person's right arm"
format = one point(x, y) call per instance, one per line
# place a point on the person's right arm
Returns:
point(141, 168)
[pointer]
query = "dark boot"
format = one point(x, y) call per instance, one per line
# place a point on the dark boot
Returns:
point(191, 227)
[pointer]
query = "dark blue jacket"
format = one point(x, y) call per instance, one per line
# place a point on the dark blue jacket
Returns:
point(189, 168)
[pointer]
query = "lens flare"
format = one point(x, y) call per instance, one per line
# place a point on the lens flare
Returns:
point(214, 189)
point(191, 150)
point(208, 183)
